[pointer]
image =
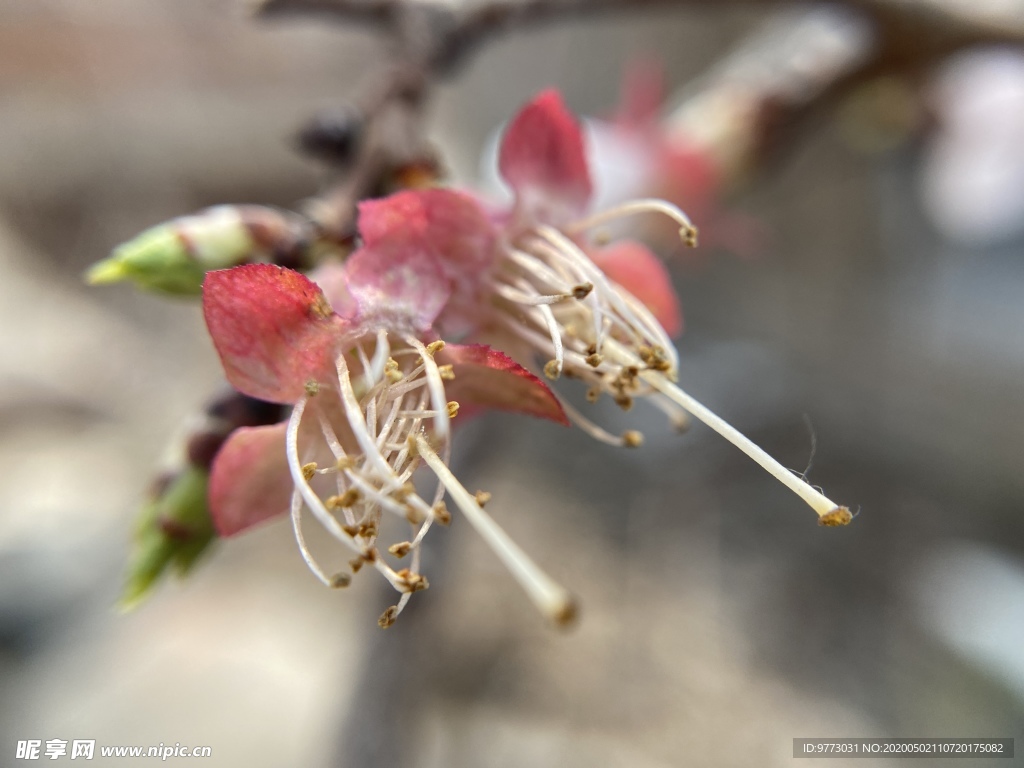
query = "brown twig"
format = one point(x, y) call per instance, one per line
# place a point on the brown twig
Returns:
point(923, 27)
point(432, 39)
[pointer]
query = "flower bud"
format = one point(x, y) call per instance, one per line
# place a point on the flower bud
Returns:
point(173, 257)
point(173, 530)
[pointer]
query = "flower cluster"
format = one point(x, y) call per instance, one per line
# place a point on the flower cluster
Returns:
point(362, 352)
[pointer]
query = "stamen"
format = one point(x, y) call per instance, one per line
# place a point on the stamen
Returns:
point(556, 342)
point(298, 477)
point(389, 422)
point(313, 501)
point(356, 421)
point(380, 358)
point(823, 506)
point(537, 299)
point(401, 549)
point(575, 362)
point(687, 231)
point(592, 429)
point(539, 270)
point(307, 556)
point(679, 418)
point(364, 361)
point(559, 248)
point(442, 427)
point(550, 598)
point(629, 311)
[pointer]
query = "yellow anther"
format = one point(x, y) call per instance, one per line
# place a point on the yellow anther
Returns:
point(340, 580)
point(401, 549)
point(388, 617)
point(582, 290)
point(414, 515)
point(308, 470)
point(632, 439)
point(347, 499)
point(838, 516)
point(413, 582)
point(441, 513)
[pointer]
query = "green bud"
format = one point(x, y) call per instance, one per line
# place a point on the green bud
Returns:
point(172, 531)
point(173, 257)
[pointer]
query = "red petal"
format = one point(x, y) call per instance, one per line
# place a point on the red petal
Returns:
point(542, 156)
point(422, 250)
point(487, 378)
point(249, 480)
point(635, 268)
point(272, 328)
point(450, 224)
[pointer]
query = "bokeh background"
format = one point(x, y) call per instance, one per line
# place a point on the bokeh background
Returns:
point(719, 622)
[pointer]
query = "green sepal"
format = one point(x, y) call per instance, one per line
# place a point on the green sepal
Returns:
point(157, 260)
point(172, 531)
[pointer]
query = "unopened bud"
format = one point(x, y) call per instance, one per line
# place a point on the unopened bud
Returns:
point(173, 257)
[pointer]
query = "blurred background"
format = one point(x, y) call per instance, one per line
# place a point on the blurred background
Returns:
point(881, 305)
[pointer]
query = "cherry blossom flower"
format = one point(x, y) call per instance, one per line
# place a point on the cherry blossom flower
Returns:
point(598, 312)
point(371, 401)
point(358, 354)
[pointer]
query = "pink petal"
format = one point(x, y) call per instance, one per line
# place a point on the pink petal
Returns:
point(401, 289)
point(487, 378)
point(542, 157)
point(249, 480)
point(424, 252)
point(450, 224)
point(642, 94)
point(333, 282)
point(641, 273)
point(272, 328)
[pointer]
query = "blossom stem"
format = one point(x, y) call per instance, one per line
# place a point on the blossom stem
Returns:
point(551, 599)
